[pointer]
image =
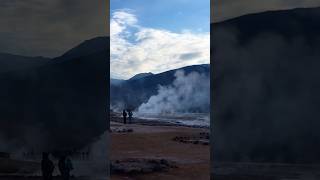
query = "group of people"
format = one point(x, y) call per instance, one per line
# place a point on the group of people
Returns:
point(126, 113)
point(65, 167)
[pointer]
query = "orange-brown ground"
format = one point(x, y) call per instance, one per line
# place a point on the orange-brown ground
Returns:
point(193, 160)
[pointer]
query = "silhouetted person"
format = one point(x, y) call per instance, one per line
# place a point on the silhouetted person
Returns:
point(87, 155)
point(47, 167)
point(83, 155)
point(124, 114)
point(65, 167)
point(130, 115)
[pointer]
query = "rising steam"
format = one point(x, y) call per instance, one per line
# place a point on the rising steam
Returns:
point(188, 93)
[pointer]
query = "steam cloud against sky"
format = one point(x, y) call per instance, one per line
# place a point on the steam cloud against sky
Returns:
point(138, 49)
point(188, 93)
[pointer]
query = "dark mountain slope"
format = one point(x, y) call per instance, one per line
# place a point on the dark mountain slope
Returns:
point(9, 62)
point(58, 106)
point(86, 48)
point(116, 81)
point(266, 87)
point(289, 24)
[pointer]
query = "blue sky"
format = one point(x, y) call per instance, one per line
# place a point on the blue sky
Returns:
point(173, 15)
point(158, 35)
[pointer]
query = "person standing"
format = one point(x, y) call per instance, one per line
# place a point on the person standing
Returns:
point(65, 167)
point(124, 114)
point(130, 116)
point(47, 167)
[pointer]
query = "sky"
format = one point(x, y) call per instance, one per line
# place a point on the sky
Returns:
point(157, 36)
point(172, 15)
point(49, 27)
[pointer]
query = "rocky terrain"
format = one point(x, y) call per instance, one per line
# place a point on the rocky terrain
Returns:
point(150, 152)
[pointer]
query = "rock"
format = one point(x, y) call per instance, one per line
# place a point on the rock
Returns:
point(141, 166)
point(203, 138)
point(122, 130)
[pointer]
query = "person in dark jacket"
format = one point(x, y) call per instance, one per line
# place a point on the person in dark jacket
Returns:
point(124, 114)
point(130, 115)
point(65, 167)
point(47, 167)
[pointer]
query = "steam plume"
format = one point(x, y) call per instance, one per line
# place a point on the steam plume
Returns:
point(188, 93)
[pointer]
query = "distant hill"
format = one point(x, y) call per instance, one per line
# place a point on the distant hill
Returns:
point(116, 81)
point(10, 62)
point(287, 24)
point(266, 87)
point(141, 75)
point(135, 91)
point(86, 48)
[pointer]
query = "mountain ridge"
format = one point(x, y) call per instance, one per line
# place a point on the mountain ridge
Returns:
point(299, 22)
point(132, 93)
point(140, 75)
point(11, 62)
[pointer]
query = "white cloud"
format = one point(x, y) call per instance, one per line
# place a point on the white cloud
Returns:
point(121, 19)
point(136, 49)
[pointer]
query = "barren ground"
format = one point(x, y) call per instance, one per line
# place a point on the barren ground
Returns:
point(155, 142)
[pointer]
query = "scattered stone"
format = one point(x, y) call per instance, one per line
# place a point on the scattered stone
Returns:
point(141, 166)
point(122, 130)
point(205, 135)
point(203, 139)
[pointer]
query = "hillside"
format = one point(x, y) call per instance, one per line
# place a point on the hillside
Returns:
point(10, 62)
point(266, 87)
point(57, 106)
